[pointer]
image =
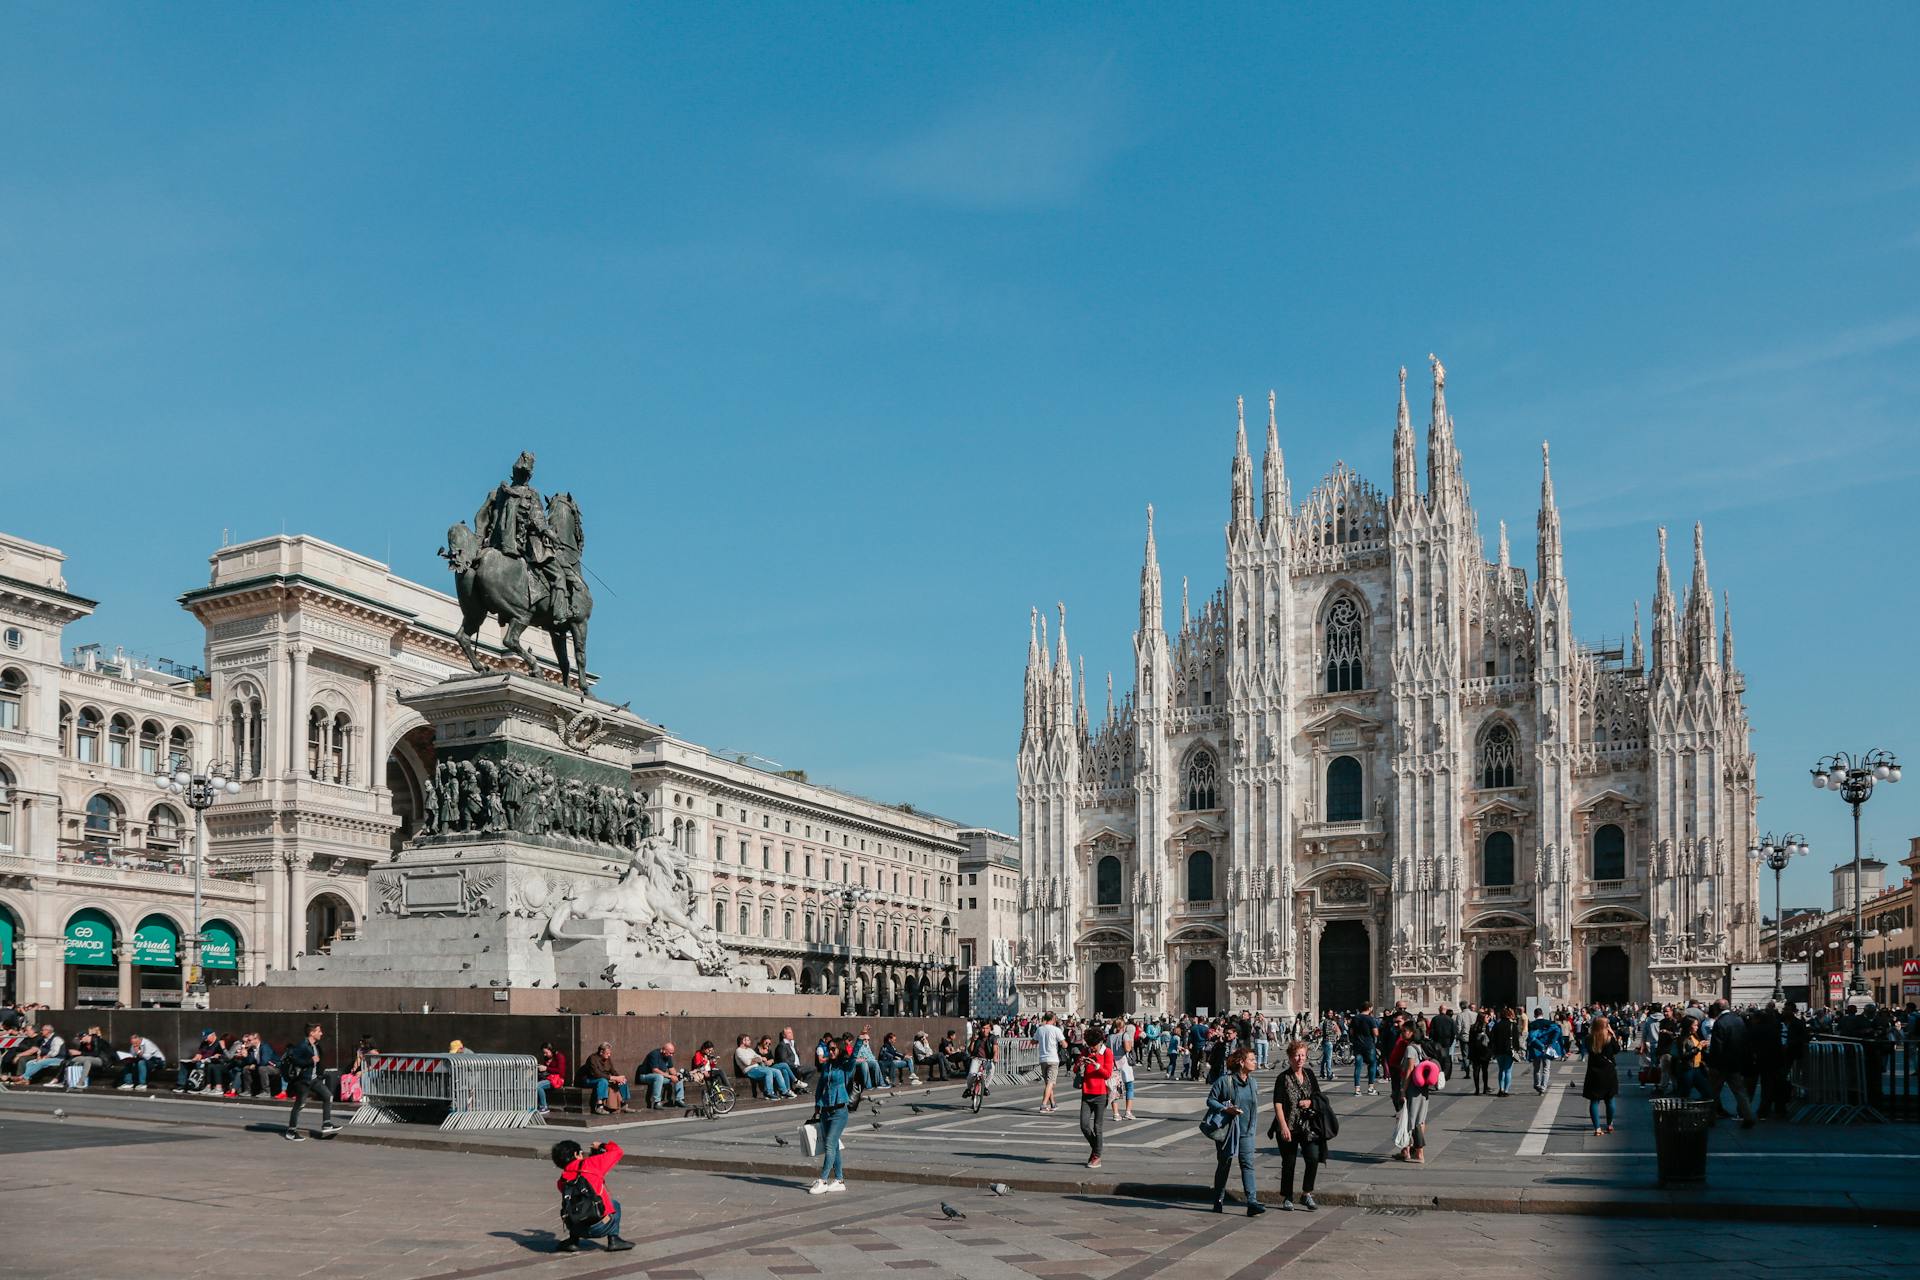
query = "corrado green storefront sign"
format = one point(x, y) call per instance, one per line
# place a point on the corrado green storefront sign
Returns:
point(156, 944)
point(90, 938)
point(219, 947)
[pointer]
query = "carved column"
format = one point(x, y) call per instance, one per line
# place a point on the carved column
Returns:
point(376, 753)
point(295, 738)
point(296, 940)
point(123, 956)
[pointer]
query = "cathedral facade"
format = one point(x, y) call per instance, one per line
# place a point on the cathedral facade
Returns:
point(1376, 766)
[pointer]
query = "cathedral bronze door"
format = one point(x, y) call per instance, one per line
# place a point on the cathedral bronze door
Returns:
point(1201, 987)
point(1110, 990)
point(1346, 966)
point(1607, 976)
point(1500, 980)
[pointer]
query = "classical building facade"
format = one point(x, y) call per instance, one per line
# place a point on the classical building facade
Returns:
point(1377, 765)
point(837, 893)
point(988, 902)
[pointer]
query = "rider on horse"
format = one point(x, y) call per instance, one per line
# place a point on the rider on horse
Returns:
point(513, 521)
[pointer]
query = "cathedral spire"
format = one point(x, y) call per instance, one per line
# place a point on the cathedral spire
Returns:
point(1552, 564)
point(1150, 596)
point(1186, 615)
point(1666, 658)
point(1639, 651)
point(1276, 503)
point(1242, 525)
point(1063, 674)
point(1034, 666)
point(1406, 476)
point(1700, 629)
point(1506, 557)
point(1443, 459)
point(1109, 697)
point(1083, 693)
point(1726, 632)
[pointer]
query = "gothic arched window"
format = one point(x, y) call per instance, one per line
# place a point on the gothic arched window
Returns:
point(1344, 790)
point(1496, 859)
point(1202, 775)
point(1610, 853)
point(1345, 646)
point(1498, 757)
point(1106, 892)
point(1200, 876)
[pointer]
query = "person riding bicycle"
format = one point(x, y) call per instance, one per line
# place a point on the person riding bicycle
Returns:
point(982, 1053)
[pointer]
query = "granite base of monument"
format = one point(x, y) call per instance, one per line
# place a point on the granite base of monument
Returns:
point(533, 866)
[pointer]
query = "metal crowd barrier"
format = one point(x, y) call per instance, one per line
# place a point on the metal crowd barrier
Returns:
point(461, 1090)
point(1020, 1059)
point(1899, 1080)
point(1833, 1077)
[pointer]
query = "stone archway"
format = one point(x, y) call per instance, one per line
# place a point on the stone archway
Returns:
point(1608, 980)
point(1500, 980)
point(1110, 989)
point(1346, 965)
point(1200, 987)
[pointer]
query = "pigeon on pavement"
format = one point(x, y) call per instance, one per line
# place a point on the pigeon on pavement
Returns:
point(914, 1109)
point(950, 1211)
point(779, 1141)
point(59, 1114)
point(1000, 1188)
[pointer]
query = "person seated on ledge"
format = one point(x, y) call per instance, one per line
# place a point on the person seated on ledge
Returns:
point(658, 1073)
point(550, 1072)
point(926, 1063)
point(768, 1054)
point(610, 1091)
point(706, 1062)
point(953, 1055)
point(86, 1053)
point(141, 1059)
point(750, 1064)
point(865, 1064)
point(210, 1056)
point(787, 1054)
point(893, 1063)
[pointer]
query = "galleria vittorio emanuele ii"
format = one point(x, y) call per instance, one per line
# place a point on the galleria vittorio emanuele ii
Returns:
point(1376, 764)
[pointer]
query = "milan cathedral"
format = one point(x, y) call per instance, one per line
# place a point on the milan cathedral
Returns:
point(1376, 766)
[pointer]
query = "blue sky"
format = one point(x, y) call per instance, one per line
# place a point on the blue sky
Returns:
point(858, 330)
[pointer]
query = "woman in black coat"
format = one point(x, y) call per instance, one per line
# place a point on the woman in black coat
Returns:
point(1603, 1078)
point(1480, 1052)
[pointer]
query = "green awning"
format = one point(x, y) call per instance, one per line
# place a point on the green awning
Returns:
point(90, 938)
point(156, 943)
point(219, 946)
point(6, 937)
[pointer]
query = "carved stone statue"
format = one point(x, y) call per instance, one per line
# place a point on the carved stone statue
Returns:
point(520, 564)
point(654, 899)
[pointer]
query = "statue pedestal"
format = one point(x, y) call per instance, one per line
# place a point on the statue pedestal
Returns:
point(531, 869)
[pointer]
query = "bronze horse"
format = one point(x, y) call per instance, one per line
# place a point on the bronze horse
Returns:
point(490, 583)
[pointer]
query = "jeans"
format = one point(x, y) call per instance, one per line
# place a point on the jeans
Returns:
point(607, 1226)
point(133, 1071)
point(869, 1072)
point(38, 1065)
point(302, 1090)
point(833, 1124)
point(1260, 1053)
point(768, 1079)
point(1093, 1120)
point(1173, 1062)
point(1224, 1163)
point(1542, 1074)
point(1366, 1054)
point(260, 1078)
point(890, 1072)
point(601, 1088)
point(1594, 1106)
point(1326, 1059)
point(1298, 1149)
point(1505, 1062)
point(656, 1085)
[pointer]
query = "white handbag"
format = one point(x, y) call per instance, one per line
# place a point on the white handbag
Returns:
point(810, 1137)
point(1402, 1131)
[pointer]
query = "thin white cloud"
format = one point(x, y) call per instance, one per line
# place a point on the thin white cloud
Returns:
point(1039, 143)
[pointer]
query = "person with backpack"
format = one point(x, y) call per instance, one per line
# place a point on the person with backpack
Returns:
point(587, 1209)
point(1443, 1030)
point(1602, 1084)
point(1302, 1124)
point(300, 1073)
point(1363, 1030)
point(1480, 1052)
point(1543, 1046)
point(1419, 1075)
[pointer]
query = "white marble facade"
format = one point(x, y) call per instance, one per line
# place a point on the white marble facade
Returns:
point(1377, 765)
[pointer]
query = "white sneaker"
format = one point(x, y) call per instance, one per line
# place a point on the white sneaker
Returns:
point(51, 1084)
point(819, 1188)
point(1356, 1091)
point(837, 1185)
point(1373, 1093)
point(128, 1086)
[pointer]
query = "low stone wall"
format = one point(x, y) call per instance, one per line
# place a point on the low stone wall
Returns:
point(525, 1000)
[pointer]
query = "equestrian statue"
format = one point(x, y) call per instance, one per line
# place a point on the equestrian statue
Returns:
point(520, 564)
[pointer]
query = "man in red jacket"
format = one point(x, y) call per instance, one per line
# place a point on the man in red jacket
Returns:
point(593, 1165)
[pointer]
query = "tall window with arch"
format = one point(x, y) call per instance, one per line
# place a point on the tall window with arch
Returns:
point(1610, 853)
point(150, 738)
point(163, 828)
point(1345, 645)
point(1203, 777)
point(103, 822)
point(120, 742)
point(1200, 876)
point(1496, 860)
point(6, 809)
point(179, 751)
point(87, 737)
point(1499, 757)
point(1345, 790)
point(1106, 890)
point(13, 698)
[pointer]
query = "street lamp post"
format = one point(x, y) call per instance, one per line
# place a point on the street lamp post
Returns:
point(198, 789)
point(1776, 854)
point(1853, 777)
point(850, 898)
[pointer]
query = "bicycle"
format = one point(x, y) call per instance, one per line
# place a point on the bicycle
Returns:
point(976, 1091)
point(719, 1096)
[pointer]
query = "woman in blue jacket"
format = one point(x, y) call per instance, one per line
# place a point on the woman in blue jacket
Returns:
point(830, 1112)
point(1232, 1103)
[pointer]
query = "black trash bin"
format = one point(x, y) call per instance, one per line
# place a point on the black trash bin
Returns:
point(1680, 1139)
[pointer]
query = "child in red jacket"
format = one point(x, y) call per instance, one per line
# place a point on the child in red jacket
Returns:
point(591, 1166)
